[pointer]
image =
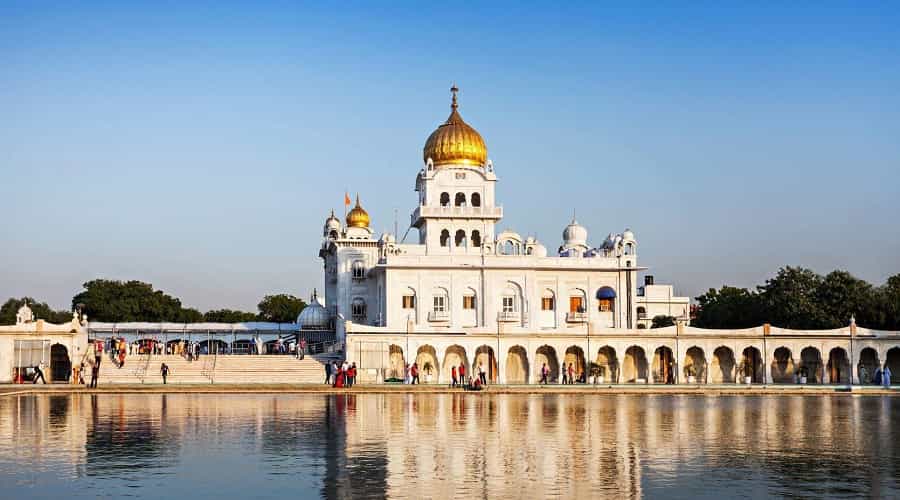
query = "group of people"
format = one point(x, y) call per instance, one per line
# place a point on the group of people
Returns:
point(340, 375)
point(568, 375)
point(882, 376)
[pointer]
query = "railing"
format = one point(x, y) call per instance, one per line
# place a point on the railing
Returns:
point(509, 316)
point(453, 211)
point(438, 316)
point(576, 317)
point(143, 364)
point(642, 315)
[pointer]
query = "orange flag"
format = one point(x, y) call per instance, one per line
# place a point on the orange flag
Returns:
point(347, 199)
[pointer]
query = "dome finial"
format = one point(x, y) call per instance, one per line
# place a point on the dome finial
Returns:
point(453, 90)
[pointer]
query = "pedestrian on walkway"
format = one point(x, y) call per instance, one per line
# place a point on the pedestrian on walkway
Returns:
point(454, 382)
point(886, 376)
point(164, 371)
point(481, 374)
point(571, 374)
point(544, 373)
point(462, 373)
point(414, 372)
point(95, 372)
point(301, 349)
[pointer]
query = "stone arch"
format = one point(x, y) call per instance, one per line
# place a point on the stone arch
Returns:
point(517, 365)
point(868, 364)
point(396, 362)
point(752, 366)
point(425, 357)
point(634, 366)
point(445, 199)
point(811, 365)
point(892, 360)
point(575, 357)
point(476, 199)
point(476, 238)
point(484, 354)
point(695, 364)
point(455, 355)
point(445, 238)
point(460, 239)
point(459, 200)
point(608, 364)
point(60, 364)
point(723, 364)
point(838, 366)
point(663, 366)
point(783, 367)
point(547, 354)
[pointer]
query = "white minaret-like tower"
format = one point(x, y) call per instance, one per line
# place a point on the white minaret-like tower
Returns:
point(457, 210)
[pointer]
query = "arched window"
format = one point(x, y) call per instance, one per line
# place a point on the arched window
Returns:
point(359, 270)
point(460, 200)
point(548, 300)
point(440, 305)
point(606, 299)
point(509, 301)
point(476, 238)
point(629, 249)
point(642, 312)
point(509, 247)
point(469, 299)
point(445, 238)
point(333, 234)
point(476, 200)
point(358, 310)
point(577, 301)
point(445, 199)
point(460, 238)
point(409, 299)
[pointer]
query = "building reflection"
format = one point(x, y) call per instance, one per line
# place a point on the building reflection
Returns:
point(471, 445)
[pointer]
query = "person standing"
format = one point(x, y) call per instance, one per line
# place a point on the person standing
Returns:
point(95, 372)
point(544, 373)
point(571, 374)
point(481, 375)
point(886, 376)
point(38, 374)
point(562, 373)
point(301, 349)
point(462, 373)
point(327, 373)
point(414, 373)
point(164, 371)
point(454, 382)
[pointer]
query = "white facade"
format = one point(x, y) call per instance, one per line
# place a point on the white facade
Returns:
point(464, 276)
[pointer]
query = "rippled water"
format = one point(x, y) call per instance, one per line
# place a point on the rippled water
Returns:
point(460, 445)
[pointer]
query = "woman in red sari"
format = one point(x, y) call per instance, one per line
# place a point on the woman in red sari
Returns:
point(339, 378)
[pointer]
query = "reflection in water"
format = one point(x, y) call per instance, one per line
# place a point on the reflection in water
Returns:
point(463, 445)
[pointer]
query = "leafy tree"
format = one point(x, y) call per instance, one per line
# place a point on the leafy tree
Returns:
point(791, 299)
point(117, 301)
point(842, 295)
point(228, 316)
point(40, 309)
point(728, 307)
point(189, 315)
point(662, 321)
point(889, 299)
point(281, 308)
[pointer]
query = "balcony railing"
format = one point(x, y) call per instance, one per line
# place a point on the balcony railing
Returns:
point(642, 315)
point(576, 317)
point(453, 211)
point(508, 316)
point(438, 316)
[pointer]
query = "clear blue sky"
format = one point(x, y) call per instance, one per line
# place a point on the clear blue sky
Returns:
point(200, 146)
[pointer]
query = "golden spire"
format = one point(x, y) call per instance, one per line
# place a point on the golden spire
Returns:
point(358, 217)
point(455, 141)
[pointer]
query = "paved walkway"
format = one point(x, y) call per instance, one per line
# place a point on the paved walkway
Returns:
point(706, 389)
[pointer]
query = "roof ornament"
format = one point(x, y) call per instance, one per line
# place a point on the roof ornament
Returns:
point(453, 90)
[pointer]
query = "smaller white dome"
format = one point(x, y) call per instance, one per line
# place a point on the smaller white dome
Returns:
point(332, 225)
point(539, 250)
point(574, 235)
point(314, 316)
point(628, 235)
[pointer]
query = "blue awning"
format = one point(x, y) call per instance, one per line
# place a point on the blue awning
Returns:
point(606, 293)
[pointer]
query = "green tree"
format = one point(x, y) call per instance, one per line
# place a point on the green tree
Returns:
point(728, 307)
point(281, 308)
point(889, 301)
point(791, 299)
point(662, 321)
point(117, 301)
point(228, 316)
point(842, 295)
point(40, 309)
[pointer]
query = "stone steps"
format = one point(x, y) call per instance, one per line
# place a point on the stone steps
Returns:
point(228, 369)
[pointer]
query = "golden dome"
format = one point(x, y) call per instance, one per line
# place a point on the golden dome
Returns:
point(455, 141)
point(357, 217)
